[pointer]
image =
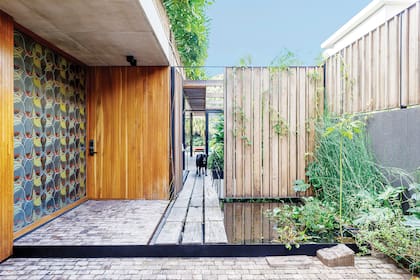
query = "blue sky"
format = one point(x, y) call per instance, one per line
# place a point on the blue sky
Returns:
point(263, 28)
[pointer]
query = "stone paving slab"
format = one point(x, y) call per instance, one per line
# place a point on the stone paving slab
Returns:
point(301, 262)
point(106, 222)
point(192, 268)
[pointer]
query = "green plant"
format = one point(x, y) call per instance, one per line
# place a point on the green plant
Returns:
point(284, 60)
point(245, 61)
point(289, 230)
point(361, 176)
point(280, 125)
point(381, 226)
point(296, 224)
point(189, 25)
point(413, 217)
point(300, 186)
point(241, 121)
point(369, 201)
point(319, 219)
point(198, 140)
point(216, 158)
point(346, 127)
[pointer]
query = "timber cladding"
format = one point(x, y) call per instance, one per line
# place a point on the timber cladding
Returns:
point(6, 136)
point(269, 128)
point(177, 152)
point(128, 119)
point(380, 70)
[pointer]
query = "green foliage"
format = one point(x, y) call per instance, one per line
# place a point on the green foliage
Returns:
point(311, 221)
point(413, 217)
point(300, 186)
point(241, 124)
point(280, 125)
point(216, 158)
point(369, 202)
point(320, 59)
point(284, 60)
point(381, 225)
point(197, 140)
point(198, 129)
point(190, 27)
point(346, 127)
point(359, 174)
point(319, 219)
point(396, 241)
point(288, 228)
point(245, 61)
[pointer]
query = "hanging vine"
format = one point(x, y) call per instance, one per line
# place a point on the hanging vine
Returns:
point(241, 121)
point(190, 26)
point(279, 124)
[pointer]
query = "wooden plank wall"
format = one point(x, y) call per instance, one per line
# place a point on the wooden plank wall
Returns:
point(6, 135)
point(128, 117)
point(380, 70)
point(269, 128)
point(177, 108)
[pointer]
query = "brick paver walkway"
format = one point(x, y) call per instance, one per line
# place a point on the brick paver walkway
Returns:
point(110, 222)
point(191, 268)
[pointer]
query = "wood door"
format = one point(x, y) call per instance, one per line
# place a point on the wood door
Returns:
point(128, 119)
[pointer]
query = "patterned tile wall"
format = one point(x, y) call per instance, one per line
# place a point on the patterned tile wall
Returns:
point(49, 131)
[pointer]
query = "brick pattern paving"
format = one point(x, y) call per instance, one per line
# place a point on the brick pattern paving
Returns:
point(192, 268)
point(110, 222)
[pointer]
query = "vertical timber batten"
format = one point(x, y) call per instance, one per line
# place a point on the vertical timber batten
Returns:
point(129, 121)
point(266, 115)
point(6, 135)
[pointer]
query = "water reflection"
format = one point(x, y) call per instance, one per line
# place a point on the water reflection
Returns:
point(246, 223)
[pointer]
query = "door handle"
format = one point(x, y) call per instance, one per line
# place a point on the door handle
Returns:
point(92, 147)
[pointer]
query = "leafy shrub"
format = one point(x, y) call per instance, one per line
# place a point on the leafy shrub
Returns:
point(288, 227)
point(189, 24)
point(360, 173)
point(370, 203)
point(216, 158)
point(319, 219)
point(312, 221)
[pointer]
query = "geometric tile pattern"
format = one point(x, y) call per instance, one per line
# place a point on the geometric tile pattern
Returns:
point(49, 131)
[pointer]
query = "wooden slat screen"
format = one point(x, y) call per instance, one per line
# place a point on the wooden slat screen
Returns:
point(269, 121)
point(380, 70)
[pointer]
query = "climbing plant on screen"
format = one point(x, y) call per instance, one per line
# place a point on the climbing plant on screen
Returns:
point(189, 24)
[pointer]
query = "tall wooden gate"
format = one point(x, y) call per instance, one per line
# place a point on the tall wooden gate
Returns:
point(269, 128)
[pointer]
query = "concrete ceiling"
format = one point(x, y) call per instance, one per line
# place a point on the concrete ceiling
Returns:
point(97, 32)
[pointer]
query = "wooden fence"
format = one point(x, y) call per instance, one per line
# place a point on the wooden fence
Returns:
point(380, 70)
point(269, 128)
